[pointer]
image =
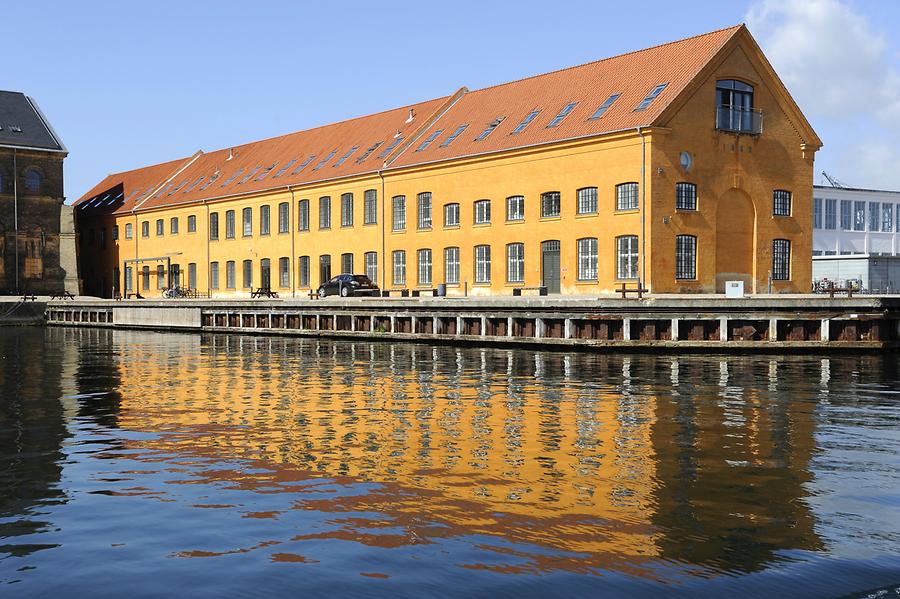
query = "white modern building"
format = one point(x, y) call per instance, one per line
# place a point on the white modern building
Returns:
point(856, 237)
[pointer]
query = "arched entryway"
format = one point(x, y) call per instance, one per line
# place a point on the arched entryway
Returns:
point(735, 229)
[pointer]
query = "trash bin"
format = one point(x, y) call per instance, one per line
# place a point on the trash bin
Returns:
point(442, 290)
point(542, 290)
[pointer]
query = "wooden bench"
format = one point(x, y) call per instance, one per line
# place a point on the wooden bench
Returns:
point(638, 289)
point(263, 292)
point(29, 298)
point(313, 294)
point(541, 289)
point(133, 294)
point(62, 295)
point(831, 290)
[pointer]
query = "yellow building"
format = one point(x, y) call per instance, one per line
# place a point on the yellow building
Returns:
point(684, 165)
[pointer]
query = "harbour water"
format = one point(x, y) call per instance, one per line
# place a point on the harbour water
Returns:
point(152, 464)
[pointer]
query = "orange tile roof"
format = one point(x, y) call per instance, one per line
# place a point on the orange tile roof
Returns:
point(120, 192)
point(335, 151)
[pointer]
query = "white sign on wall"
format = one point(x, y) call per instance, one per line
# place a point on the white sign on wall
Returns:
point(734, 289)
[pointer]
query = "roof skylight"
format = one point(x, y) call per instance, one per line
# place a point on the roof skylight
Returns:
point(371, 149)
point(343, 158)
point(454, 135)
point(428, 140)
point(393, 145)
point(303, 165)
point(528, 118)
point(562, 114)
point(325, 160)
point(249, 175)
point(604, 107)
point(490, 128)
point(266, 171)
point(233, 177)
point(651, 96)
point(284, 168)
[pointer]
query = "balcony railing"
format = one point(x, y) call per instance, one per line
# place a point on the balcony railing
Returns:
point(739, 120)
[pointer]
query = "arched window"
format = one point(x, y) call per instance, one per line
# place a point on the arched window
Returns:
point(32, 181)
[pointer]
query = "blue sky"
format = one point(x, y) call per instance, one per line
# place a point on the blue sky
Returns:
point(127, 84)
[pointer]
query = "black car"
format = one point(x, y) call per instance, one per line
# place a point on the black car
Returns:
point(349, 285)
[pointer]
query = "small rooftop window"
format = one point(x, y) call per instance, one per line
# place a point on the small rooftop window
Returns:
point(368, 151)
point(164, 190)
point(325, 160)
point(266, 171)
point(651, 96)
point(490, 128)
point(284, 168)
point(180, 185)
point(249, 175)
point(233, 177)
point(303, 164)
point(454, 135)
point(393, 145)
point(344, 158)
point(562, 114)
point(211, 180)
point(428, 140)
point(604, 107)
point(528, 118)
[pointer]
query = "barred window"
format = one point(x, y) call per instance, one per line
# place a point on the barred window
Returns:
point(424, 261)
point(424, 210)
point(781, 203)
point(587, 200)
point(887, 217)
point(229, 274)
point(265, 220)
point(550, 204)
point(515, 263)
point(213, 275)
point(371, 261)
point(173, 225)
point(874, 216)
point(347, 210)
point(399, 262)
point(859, 216)
point(482, 264)
point(685, 257)
point(587, 259)
point(831, 214)
point(284, 272)
point(627, 257)
point(229, 224)
point(627, 196)
point(781, 260)
point(325, 212)
point(398, 212)
point(247, 220)
point(284, 217)
point(303, 215)
point(370, 207)
point(515, 208)
point(248, 274)
point(685, 196)
point(347, 264)
point(451, 265)
point(192, 223)
point(303, 271)
point(451, 215)
point(160, 227)
point(846, 215)
point(128, 231)
point(482, 212)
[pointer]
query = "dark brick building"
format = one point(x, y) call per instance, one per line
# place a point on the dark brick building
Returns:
point(37, 236)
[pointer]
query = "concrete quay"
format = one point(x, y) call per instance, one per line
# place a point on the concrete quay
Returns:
point(770, 323)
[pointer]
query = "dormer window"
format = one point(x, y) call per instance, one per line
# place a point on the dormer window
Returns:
point(734, 107)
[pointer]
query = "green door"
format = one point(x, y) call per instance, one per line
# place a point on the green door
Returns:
point(550, 265)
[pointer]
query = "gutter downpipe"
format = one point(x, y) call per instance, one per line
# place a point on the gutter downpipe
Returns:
point(16, 213)
point(643, 281)
point(293, 249)
point(208, 265)
point(384, 264)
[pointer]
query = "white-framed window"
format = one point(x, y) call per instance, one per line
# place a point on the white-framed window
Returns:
point(371, 261)
point(830, 214)
point(588, 202)
point(423, 201)
point(284, 217)
point(346, 209)
point(398, 213)
point(265, 220)
point(213, 275)
point(399, 263)
point(627, 257)
point(515, 208)
point(587, 259)
point(325, 212)
point(685, 257)
point(482, 264)
point(482, 212)
point(247, 220)
point(423, 258)
point(303, 215)
point(284, 272)
point(846, 215)
point(781, 260)
point(859, 216)
point(370, 207)
point(451, 265)
point(515, 263)
point(192, 223)
point(229, 274)
point(451, 215)
point(685, 196)
point(817, 213)
point(303, 271)
point(887, 217)
point(551, 204)
point(781, 202)
point(627, 196)
point(874, 216)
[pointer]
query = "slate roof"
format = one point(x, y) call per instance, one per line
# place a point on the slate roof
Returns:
point(339, 150)
point(23, 126)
